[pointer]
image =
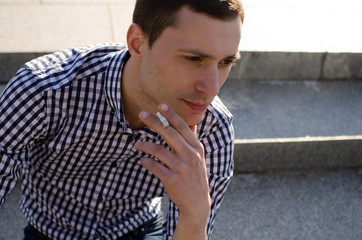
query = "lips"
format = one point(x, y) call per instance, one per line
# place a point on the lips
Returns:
point(197, 106)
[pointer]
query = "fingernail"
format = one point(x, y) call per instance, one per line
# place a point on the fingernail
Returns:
point(144, 114)
point(163, 107)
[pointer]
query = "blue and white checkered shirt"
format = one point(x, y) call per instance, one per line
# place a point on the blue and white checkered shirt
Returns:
point(63, 129)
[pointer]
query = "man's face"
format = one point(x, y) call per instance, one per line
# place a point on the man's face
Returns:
point(188, 64)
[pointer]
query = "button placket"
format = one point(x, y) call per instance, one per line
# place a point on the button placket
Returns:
point(127, 144)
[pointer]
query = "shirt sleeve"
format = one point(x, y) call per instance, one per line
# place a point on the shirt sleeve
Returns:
point(21, 123)
point(219, 147)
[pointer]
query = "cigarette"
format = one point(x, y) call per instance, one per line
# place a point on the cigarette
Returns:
point(163, 120)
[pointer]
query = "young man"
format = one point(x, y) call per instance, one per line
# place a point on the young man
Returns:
point(81, 127)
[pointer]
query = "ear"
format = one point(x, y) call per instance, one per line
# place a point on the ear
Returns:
point(135, 40)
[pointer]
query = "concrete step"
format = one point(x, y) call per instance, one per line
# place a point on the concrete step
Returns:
point(320, 205)
point(289, 125)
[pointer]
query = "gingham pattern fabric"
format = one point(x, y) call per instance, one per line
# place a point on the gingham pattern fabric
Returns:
point(63, 130)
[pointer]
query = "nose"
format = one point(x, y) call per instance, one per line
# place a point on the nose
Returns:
point(209, 82)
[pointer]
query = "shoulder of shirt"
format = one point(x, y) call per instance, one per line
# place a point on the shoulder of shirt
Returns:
point(217, 116)
point(67, 64)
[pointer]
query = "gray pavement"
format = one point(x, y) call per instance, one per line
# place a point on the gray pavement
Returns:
point(320, 205)
point(294, 205)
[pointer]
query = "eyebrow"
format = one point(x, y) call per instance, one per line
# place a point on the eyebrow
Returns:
point(205, 55)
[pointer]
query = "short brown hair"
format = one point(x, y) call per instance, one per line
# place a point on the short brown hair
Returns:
point(153, 16)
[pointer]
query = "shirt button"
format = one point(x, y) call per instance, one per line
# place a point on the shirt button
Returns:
point(94, 219)
point(114, 165)
point(130, 139)
point(100, 199)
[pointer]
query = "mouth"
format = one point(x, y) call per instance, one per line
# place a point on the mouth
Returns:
point(199, 107)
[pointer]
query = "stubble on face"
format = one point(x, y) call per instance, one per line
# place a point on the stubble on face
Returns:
point(165, 77)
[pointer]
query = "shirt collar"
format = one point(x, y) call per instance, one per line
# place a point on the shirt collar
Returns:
point(112, 85)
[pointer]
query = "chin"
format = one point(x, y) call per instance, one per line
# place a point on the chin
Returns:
point(193, 120)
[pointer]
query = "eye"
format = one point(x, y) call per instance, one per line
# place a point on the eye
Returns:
point(193, 58)
point(227, 62)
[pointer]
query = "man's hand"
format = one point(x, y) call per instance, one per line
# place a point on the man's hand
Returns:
point(183, 172)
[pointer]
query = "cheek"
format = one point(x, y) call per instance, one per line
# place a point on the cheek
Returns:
point(223, 76)
point(156, 85)
point(170, 76)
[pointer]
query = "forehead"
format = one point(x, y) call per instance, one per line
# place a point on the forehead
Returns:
point(199, 31)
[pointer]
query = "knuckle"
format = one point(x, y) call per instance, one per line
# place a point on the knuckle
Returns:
point(195, 156)
point(196, 159)
point(200, 147)
point(183, 126)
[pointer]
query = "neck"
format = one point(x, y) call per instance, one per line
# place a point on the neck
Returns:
point(130, 95)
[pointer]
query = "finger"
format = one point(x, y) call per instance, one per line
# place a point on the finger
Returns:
point(157, 169)
point(187, 132)
point(178, 135)
point(170, 134)
point(194, 130)
point(156, 150)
